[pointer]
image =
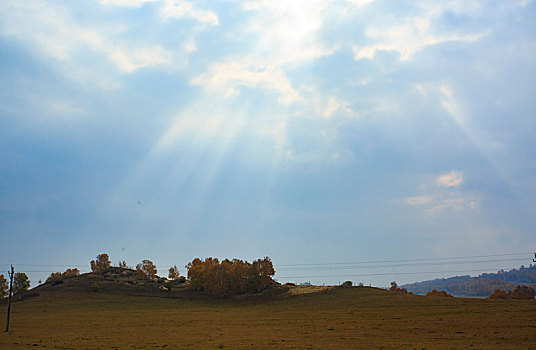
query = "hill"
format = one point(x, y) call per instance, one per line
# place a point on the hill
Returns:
point(116, 314)
point(481, 286)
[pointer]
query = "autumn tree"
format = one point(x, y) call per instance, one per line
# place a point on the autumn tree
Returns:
point(67, 273)
point(263, 270)
point(196, 274)
point(436, 293)
point(147, 268)
point(499, 294)
point(3, 287)
point(394, 288)
point(71, 272)
point(230, 276)
point(102, 263)
point(21, 283)
point(174, 273)
point(54, 276)
point(522, 292)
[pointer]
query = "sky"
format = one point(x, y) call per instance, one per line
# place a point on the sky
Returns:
point(322, 132)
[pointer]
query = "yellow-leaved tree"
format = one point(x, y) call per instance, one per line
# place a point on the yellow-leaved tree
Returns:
point(147, 268)
point(102, 263)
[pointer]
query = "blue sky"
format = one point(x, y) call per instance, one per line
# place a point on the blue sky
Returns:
point(315, 131)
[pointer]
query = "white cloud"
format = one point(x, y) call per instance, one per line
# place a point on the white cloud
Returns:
point(451, 179)
point(126, 3)
point(185, 9)
point(326, 105)
point(287, 30)
point(456, 204)
point(408, 35)
point(418, 200)
point(227, 78)
point(440, 197)
point(360, 3)
point(52, 31)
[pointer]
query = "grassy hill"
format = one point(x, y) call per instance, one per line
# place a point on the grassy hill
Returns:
point(482, 285)
point(116, 314)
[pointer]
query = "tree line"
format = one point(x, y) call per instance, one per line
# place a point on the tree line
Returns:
point(230, 276)
point(519, 292)
point(482, 285)
point(209, 275)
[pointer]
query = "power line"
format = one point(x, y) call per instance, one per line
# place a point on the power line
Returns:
point(405, 260)
point(382, 274)
point(321, 264)
point(397, 265)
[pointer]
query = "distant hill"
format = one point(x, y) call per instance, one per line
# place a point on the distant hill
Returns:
point(481, 286)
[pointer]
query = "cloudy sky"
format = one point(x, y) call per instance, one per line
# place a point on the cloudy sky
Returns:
point(311, 131)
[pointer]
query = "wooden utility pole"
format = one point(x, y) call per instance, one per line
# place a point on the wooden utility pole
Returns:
point(9, 300)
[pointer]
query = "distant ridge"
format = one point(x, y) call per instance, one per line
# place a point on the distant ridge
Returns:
point(480, 286)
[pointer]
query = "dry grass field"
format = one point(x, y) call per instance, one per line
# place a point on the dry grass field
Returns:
point(331, 318)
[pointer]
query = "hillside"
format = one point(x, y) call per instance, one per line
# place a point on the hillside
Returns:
point(115, 315)
point(482, 285)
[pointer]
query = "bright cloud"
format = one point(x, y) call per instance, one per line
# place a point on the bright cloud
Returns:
point(456, 204)
point(53, 31)
point(126, 3)
point(229, 76)
point(440, 198)
point(418, 200)
point(287, 30)
point(360, 3)
point(408, 35)
point(184, 9)
point(451, 179)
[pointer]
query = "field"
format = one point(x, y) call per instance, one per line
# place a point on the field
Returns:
point(300, 318)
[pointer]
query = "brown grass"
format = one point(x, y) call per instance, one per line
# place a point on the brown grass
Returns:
point(336, 318)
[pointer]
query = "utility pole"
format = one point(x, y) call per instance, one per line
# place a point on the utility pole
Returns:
point(9, 300)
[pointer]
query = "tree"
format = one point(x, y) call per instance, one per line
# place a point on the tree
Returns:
point(21, 283)
point(67, 273)
point(230, 277)
point(71, 272)
point(102, 263)
point(123, 264)
point(394, 288)
point(499, 294)
point(436, 293)
point(3, 287)
point(522, 292)
point(54, 276)
point(174, 273)
point(146, 267)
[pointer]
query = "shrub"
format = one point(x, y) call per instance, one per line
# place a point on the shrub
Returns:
point(394, 288)
point(67, 273)
point(441, 294)
point(54, 276)
point(290, 284)
point(347, 284)
point(522, 292)
point(499, 294)
point(71, 272)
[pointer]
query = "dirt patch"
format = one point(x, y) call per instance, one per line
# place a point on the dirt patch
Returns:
point(302, 290)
